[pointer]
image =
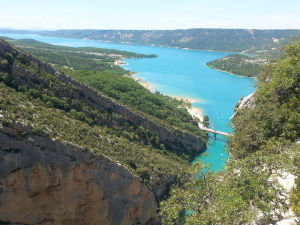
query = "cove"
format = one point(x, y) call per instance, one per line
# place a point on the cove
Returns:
point(180, 72)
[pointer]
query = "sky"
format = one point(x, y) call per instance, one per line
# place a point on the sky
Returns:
point(149, 14)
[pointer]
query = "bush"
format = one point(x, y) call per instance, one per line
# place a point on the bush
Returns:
point(37, 131)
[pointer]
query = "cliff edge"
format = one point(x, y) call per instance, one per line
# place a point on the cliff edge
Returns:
point(43, 181)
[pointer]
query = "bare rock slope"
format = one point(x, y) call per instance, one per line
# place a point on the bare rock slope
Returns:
point(43, 181)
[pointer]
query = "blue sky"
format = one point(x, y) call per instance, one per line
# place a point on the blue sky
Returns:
point(149, 14)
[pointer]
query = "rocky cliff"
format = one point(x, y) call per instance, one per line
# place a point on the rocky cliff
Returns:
point(245, 103)
point(43, 181)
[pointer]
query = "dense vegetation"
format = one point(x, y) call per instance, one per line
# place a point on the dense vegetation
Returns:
point(229, 40)
point(83, 58)
point(295, 195)
point(239, 64)
point(163, 109)
point(47, 108)
point(107, 78)
point(150, 163)
point(262, 149)
point(276, 115)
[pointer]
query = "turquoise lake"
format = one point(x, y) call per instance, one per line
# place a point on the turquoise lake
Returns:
point(180, 72)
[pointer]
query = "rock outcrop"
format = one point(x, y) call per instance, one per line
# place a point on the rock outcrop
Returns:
point(43, 181)
point(245, 103)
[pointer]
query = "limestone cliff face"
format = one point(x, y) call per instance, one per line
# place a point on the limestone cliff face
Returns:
point(246, 103)
point(173, 139)
point(43, 181)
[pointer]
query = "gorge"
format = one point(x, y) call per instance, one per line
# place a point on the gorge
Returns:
point(65, 116)
point(178, 72)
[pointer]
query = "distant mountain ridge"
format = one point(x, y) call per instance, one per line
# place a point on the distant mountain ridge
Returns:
point(248, 41)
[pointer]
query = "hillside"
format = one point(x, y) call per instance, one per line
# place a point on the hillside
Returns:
point(103, 74)
point(44, 109)
point(239, 65)
point(84, 58)
point(37, 81)
point(79, 139)
point(228, 40)
point(260, 184)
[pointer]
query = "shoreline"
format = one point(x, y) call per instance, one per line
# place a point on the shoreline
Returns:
point(185, 99)
point(120, 62)
point(229, 72)
point(145, 84)
point(153, 45)
point(195, 112)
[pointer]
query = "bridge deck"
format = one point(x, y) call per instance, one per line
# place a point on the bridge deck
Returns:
point(214, 131)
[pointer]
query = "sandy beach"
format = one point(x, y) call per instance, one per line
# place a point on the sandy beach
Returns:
point(196, 113)
point(193, 111)
point(186, 99)
point(145, 84)
point(119, 62)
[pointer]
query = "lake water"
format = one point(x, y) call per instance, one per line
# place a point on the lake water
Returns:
point(181, 72)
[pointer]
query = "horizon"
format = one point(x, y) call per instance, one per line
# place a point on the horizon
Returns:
point(146, 15)
point(197, 28)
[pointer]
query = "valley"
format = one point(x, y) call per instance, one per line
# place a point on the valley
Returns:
point(75, 96)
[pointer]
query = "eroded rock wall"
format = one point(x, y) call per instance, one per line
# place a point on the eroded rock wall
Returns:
point(43, 181)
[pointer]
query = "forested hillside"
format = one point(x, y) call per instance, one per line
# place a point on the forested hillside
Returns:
point(52, 104)
point(239, 65)
point(264, 159)
point(97, 68)
point(84, 58)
